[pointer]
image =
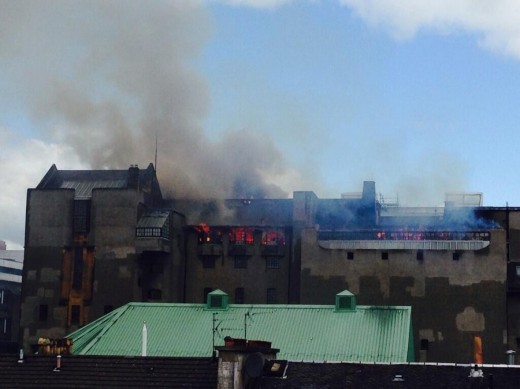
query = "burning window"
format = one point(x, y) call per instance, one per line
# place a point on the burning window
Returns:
point(208, 234)
point(273, 237)
point(242, 235)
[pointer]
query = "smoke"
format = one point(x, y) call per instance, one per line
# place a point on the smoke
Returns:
point(109, 77)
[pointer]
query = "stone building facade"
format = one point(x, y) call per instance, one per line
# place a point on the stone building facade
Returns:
point(96, 240)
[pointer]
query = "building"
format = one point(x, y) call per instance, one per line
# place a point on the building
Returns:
point(96, 240)
point(11, 263)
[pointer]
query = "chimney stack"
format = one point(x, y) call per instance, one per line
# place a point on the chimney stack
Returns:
point(133, 177)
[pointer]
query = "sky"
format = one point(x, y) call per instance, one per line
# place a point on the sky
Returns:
point(261, 98)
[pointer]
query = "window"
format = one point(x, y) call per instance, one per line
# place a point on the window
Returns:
point(44, 312)
point(273, 237)
point(271, 295)
point(75, 314)
point(208, 262)
point(77, 276)
point(154, 294)
point(384, 255)
point(425, 344)
point(156, 268)
point(209, 235)
point(81, 220)
point(456, 256)
point(518, 271)
point(272, 263)
point(205, 296)
point(3, 297)
point(420, 255)
point(5, 325)
point(239, 296)
point(241, 235)
point(350, 255)
point(240, 262)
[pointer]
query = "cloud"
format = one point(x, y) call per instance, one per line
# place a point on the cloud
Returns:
point(24, 162)
point(496, 24)
point(268, 4)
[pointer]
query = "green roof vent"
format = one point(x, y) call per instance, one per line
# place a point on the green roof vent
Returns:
point(345, 301)
point(217, 300)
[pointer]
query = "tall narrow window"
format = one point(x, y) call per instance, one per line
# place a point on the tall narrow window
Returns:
point(75, 314)
point(81, 216)
point(420, 255)
point(271, 296)
point(239, 296)
point(44, 312)
point(77, 275)
point(205, 294)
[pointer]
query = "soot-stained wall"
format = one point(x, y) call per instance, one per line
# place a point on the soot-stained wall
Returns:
point(453, 300)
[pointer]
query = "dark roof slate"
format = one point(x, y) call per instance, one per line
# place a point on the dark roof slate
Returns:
point(107, 372)
point(84, 181)
point(382, 376)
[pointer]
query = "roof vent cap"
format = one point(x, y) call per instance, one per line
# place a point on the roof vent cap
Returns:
point(345, 301)
point(217, 300)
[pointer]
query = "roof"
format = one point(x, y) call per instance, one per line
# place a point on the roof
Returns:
point(84, 181)
point(107, 372)
point(12, 255)
point(153, 219)
point(301, 332)
point(409, 375)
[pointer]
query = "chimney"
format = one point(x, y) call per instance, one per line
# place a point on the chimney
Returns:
point(133, 177)
point(241, 363)
point(3, 246)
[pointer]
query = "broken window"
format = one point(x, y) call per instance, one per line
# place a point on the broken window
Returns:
point(207, 234)
point(241, 235)
point(273, 237)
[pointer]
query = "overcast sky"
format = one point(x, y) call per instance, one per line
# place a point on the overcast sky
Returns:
point(260, 98)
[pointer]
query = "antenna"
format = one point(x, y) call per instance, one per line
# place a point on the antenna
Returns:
point(155, 164)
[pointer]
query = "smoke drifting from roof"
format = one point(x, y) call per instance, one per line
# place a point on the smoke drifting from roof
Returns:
point(107, 77)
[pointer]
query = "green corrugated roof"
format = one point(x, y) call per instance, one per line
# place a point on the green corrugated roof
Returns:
point(301, 332)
